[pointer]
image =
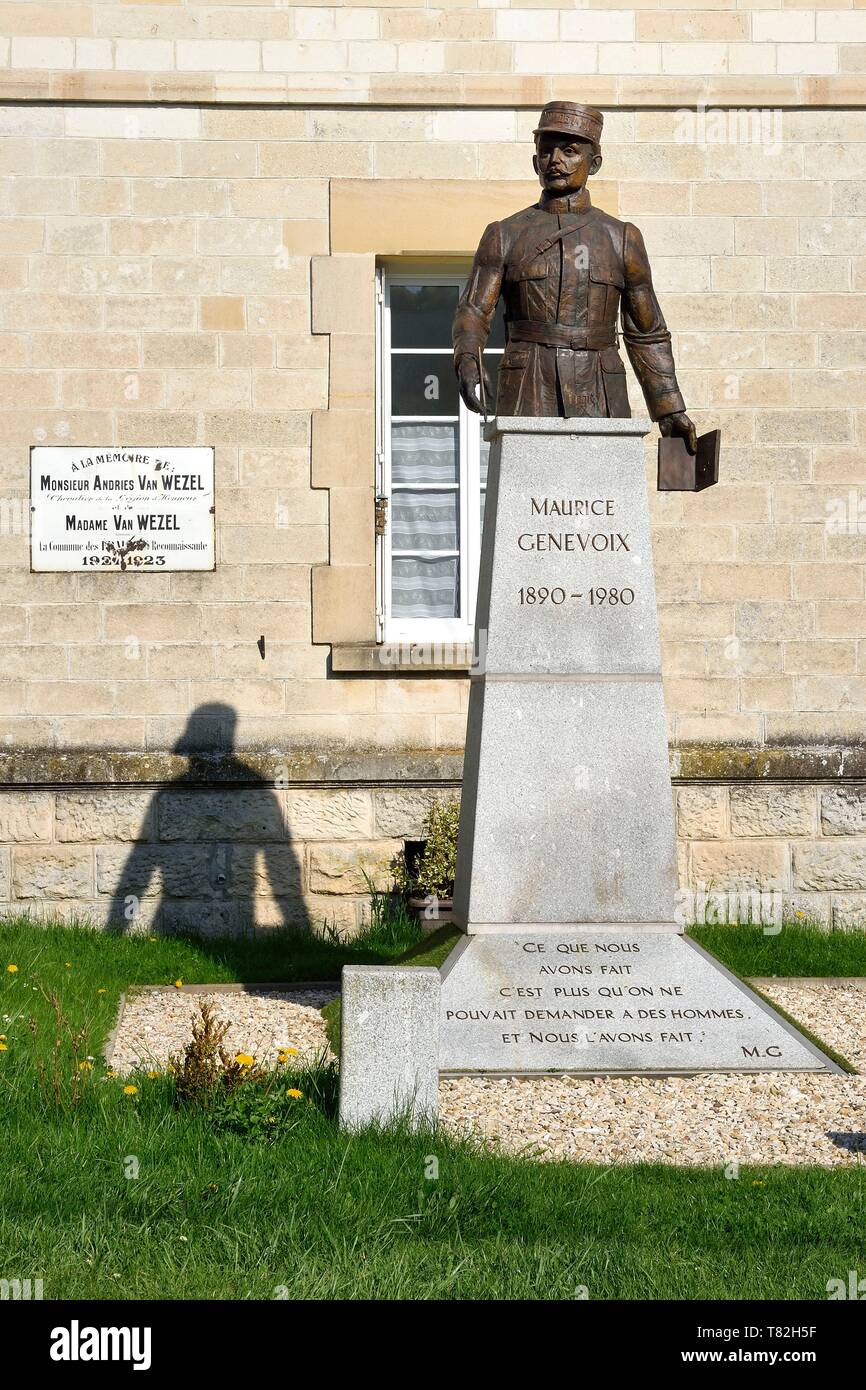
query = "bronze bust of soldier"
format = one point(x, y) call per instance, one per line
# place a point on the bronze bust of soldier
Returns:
point(565, 271)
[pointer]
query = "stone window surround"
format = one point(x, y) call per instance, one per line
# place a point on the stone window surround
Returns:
point(423, 222)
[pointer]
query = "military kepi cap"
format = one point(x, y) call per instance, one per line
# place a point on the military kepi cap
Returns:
point(570, 118)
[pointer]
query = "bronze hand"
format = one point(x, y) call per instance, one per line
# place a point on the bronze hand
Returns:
point(680, 424)
point(468, 378)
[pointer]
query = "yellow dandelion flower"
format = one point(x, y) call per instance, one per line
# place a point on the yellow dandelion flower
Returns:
point(3, 1047)
point(178, 984)
point(130, 1090)
point(2, 1037)
point(153, 938)
point(799, 914)
point(296, 1095)
point(12, 969)
point(152, 1075)
point(85, 1066)
point(101, 991)
point(244, 1059)
point(111, 1073)
point(758, 1182)
point(68, 964)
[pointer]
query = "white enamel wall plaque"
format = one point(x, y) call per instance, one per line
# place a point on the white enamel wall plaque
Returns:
point(136, 508)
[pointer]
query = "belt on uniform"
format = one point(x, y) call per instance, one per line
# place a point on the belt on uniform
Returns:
point(561, 335)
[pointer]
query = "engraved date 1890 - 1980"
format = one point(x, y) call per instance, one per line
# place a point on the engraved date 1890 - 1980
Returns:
point(595, 597)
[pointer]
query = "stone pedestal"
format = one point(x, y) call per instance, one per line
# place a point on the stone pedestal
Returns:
point(566, 862)
point(567, 808)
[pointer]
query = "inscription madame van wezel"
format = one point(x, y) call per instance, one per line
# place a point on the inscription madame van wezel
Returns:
point(587, 542)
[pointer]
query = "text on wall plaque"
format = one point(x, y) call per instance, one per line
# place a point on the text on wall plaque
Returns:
point(136, 509)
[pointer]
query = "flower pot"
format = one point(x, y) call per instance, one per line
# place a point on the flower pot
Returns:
point(431, 913)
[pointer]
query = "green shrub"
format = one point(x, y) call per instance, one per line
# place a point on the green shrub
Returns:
point(435, 869)
point(240, 1096)
point(390, 926)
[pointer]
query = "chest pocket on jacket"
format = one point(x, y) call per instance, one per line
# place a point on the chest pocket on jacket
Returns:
point(529, 270)
point(528, 289)
point(608, 281)
point(607, 275)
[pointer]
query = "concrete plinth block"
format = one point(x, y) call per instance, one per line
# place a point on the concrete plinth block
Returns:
point(389, 1054)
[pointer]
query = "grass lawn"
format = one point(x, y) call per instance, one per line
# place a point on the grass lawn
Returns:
point(798, 949)
point(215, 1213)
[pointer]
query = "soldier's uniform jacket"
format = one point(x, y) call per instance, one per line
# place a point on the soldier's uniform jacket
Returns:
point(566, 271)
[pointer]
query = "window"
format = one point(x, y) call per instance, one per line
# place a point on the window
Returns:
point(432, 463)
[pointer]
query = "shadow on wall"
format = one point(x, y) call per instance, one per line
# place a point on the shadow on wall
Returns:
point(216, 859)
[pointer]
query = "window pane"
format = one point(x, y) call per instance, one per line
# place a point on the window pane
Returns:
point(484, 460)
point(421, 315)
point(423, 384)
point(424, 454)
point(424, 520)
point(424, 588)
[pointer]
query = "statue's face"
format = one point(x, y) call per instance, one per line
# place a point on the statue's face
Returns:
point(563, 163)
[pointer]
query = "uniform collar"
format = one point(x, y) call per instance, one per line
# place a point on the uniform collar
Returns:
point(575, 202)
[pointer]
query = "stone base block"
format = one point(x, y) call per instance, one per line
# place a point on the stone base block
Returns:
point(599, 1003)
point(389, 1056)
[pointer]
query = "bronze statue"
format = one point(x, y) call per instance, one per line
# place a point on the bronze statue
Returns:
point(565, 270)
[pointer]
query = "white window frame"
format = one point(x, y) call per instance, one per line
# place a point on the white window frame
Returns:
point(458, 629)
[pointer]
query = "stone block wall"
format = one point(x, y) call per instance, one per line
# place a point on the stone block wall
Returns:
point(463, 53)
point(800, 849)
point(163, 275)
point(231, 859)
point(194, 197)
point(206, 860)
point(194, 274)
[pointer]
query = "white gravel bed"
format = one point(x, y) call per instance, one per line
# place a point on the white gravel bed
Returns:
point(705, 1120)
point(157, 1023)
point(834, 1013)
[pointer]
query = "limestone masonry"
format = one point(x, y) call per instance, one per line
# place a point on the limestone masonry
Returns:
point(191, 221)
